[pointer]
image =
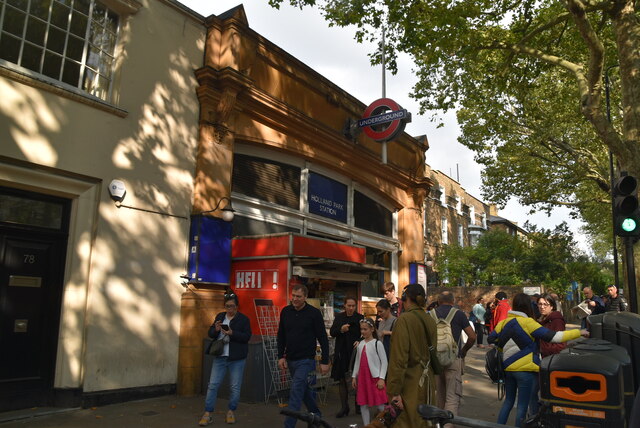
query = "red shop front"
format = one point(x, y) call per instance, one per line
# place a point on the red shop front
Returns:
point(264, 268)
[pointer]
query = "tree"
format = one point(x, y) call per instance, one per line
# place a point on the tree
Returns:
point(527, 80)
point(545, 257)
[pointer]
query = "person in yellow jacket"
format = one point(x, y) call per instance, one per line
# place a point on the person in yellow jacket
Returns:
point(516, 337)
point(410, 378)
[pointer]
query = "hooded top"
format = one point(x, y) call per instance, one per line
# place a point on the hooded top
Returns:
point(554, 321)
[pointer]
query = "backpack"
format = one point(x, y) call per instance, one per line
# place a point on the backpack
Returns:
point(493, 365)
point(447, 347)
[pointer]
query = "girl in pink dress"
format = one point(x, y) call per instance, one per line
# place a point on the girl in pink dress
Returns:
point(369, 371)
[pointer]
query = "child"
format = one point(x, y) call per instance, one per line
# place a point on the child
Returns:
point(369, 371)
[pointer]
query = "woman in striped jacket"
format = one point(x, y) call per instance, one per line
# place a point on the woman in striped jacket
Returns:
point(516, 337)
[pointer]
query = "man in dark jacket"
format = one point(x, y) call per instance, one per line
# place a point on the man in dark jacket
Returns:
point(300, 326)
point(615, 303)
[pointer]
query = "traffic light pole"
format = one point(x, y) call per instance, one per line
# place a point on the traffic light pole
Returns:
point(631, 273)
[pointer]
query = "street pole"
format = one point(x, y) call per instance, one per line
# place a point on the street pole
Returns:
point(631, 273)
point(611, 178)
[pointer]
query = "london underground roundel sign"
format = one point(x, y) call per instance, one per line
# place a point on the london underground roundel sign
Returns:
point(384, 119)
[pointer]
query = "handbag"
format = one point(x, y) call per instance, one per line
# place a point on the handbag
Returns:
point(216, 347)
point(433, 352)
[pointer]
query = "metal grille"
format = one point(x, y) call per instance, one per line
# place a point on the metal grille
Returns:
point(268, 317)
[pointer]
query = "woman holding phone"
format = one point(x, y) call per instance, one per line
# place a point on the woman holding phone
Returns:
point(234, 329)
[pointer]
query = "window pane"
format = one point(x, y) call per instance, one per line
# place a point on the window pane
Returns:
point(79, 24)
point(14, 209)
point(36, 30)
point(75, 47)
point(40, 8)
point(106, 65)
point(111, 23)
point(52, 65)
point(93, 59)
point(99, 13)
point(60, 15)
point(64, 2)
point(9, 48)
point(31, 56)
point(20, 4)
point(14, 21)
point(71, 73)
point(102, 88)
point(89, 81)
point(56, 40)
point(82, 6)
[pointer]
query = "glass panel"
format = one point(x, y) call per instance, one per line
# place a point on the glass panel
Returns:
point(99, 13)
point(65, 2)
point(60, 15)
point(71, 73)
point(36, 30)
point(31, 56)
point(111, 23)
point(89, 80)
point(82, 6)
point(96, 34)
point(52, 65)
point(55, 42)
point(14, 209)
point(14, 21)
point(9, 48)
point(20, 4)
point(106, 65)
point(79, 24)
point(40, 8)
point(102, 88)
point(93, 59)
point(75, 47)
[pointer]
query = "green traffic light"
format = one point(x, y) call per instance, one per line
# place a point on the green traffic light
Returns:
point(629, 225)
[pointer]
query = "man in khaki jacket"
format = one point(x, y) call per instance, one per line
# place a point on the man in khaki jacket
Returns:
point(410, 379)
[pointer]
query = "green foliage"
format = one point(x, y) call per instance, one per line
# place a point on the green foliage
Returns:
point(546, 257)
point(526, 80)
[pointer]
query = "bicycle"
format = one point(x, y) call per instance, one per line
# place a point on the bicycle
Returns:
point(439, 417)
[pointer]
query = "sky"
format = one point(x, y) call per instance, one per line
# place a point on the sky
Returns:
point(333, 52)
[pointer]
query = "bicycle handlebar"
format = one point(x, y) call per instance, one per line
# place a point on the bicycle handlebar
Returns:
point(436, 414)
point(310, 418)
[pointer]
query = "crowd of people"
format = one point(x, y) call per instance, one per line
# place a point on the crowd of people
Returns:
point(392, 360)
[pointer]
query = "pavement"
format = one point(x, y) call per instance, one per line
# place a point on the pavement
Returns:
point(480, 402)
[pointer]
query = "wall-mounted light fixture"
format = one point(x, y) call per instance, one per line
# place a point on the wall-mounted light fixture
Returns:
point(227, 212)
point(118, 191)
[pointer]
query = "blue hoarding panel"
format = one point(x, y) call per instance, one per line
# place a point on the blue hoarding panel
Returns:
point(327, 198)
point(209, 250)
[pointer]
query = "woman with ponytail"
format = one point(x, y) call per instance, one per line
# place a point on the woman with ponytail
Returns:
point(410, 377)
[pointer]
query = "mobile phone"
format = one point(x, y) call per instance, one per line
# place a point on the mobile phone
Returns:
point(224, 327)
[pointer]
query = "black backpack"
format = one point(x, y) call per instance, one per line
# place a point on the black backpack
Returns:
point(494, 366)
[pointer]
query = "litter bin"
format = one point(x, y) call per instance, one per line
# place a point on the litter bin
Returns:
point(582, 390)
point(623, 329)
point(587, 347)
point(256, 383)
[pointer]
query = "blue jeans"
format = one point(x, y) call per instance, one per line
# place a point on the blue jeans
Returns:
point(302, 378)
point(524, 383)
point(218, 370)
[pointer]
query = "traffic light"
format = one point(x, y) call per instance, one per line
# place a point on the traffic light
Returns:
point(626, 214)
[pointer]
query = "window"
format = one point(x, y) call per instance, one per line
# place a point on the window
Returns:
point(484, 220)
point(443, 197)
point(472, 215)
point(370, 215)
point(445, 236)
point(266, 180)
point(460, 235)
point(458, 205)
point(71, 41)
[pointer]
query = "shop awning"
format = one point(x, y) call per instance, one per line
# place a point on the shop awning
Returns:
point(311, 267)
